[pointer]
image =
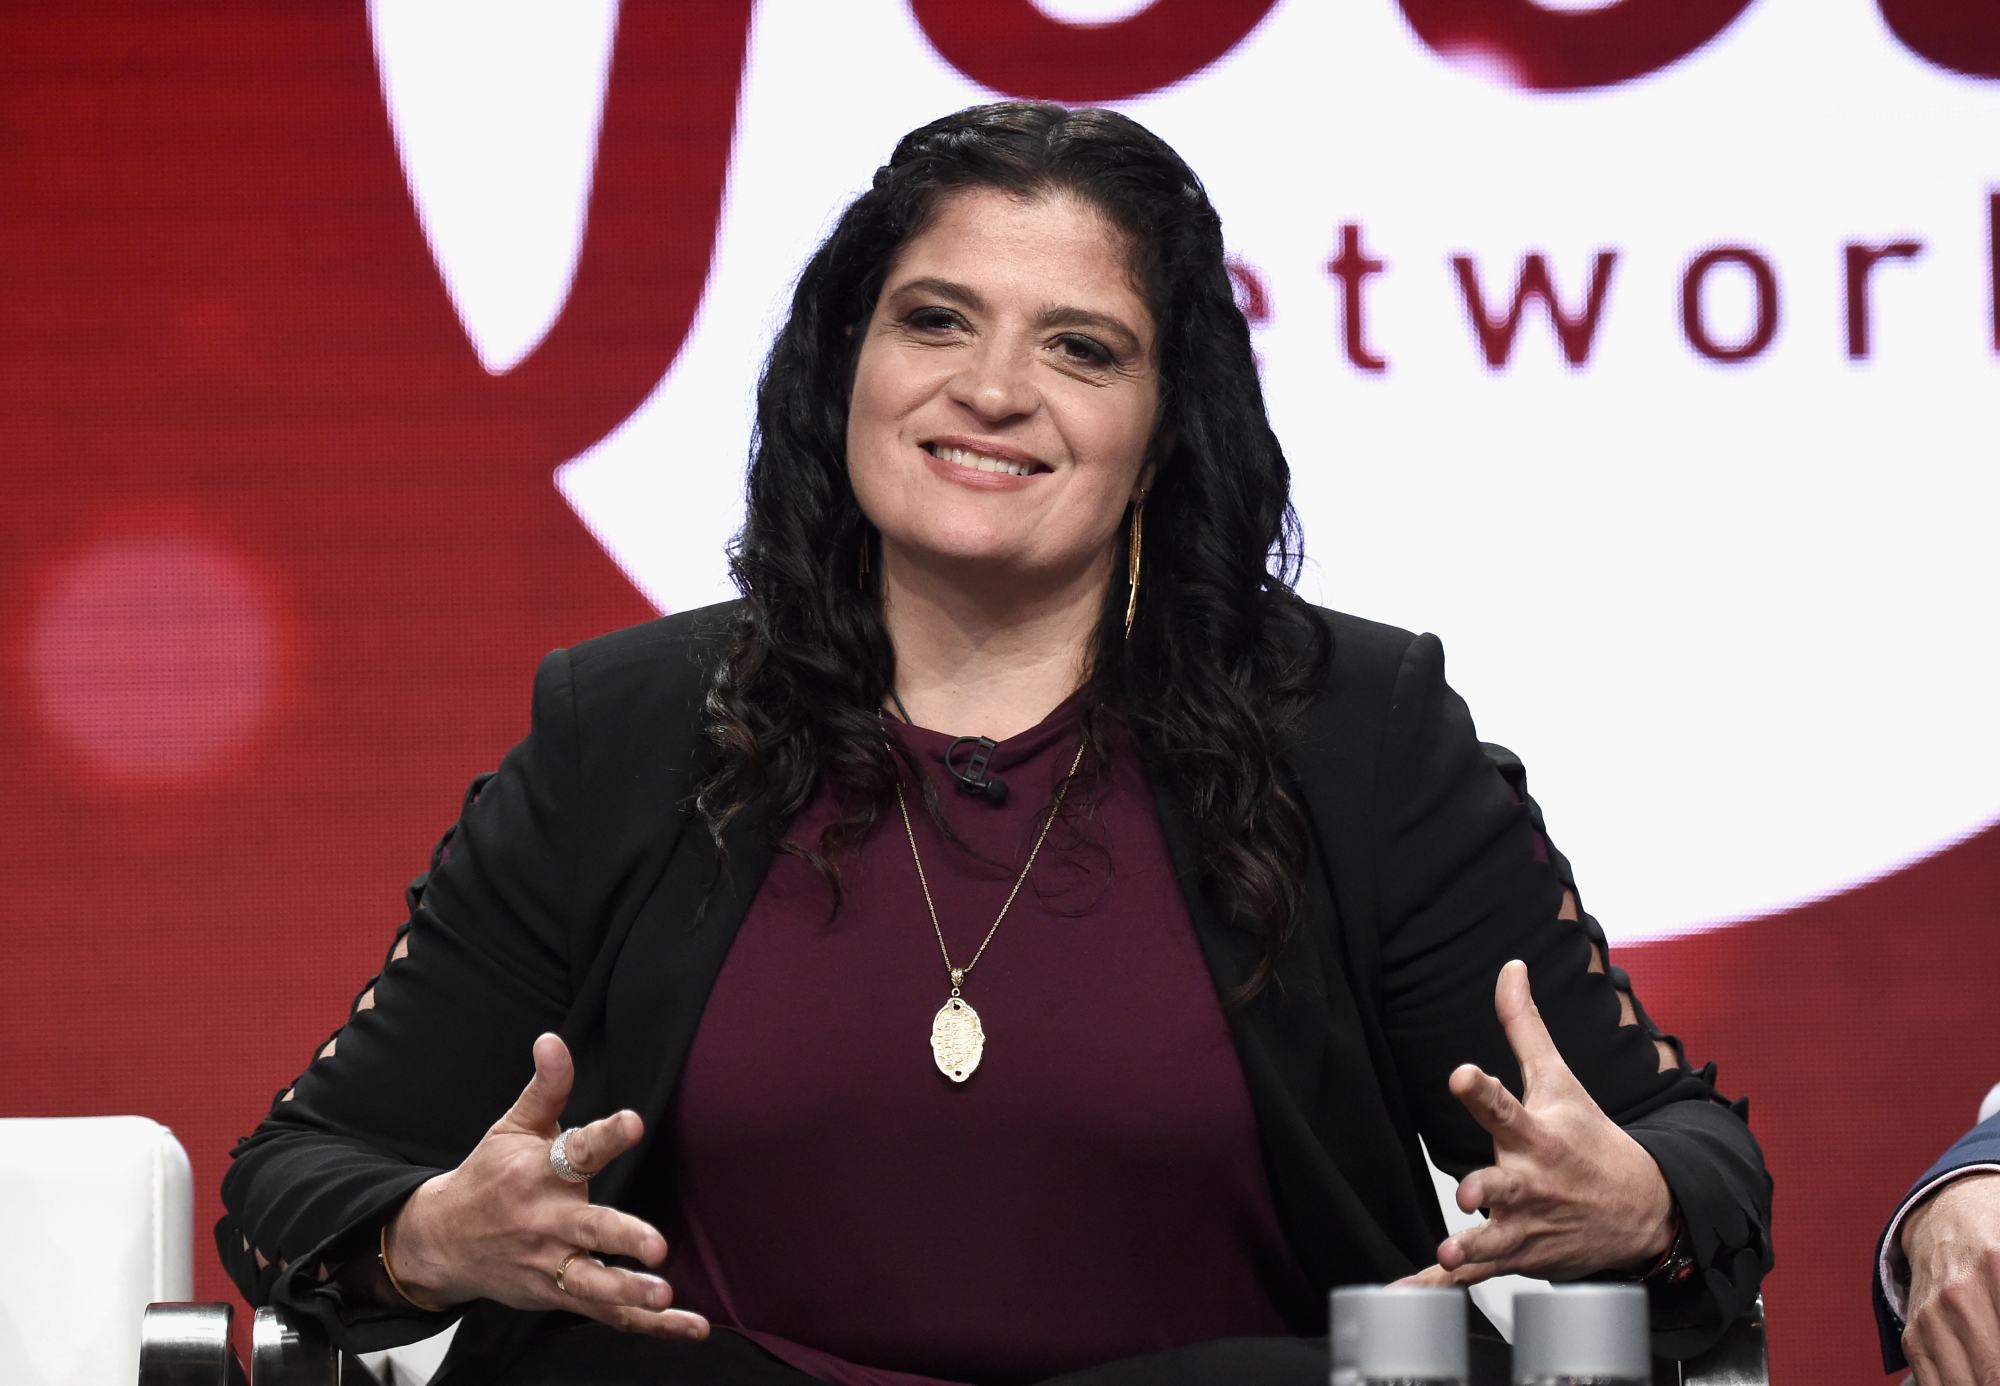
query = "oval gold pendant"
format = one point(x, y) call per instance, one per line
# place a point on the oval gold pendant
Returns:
point(957, 1039)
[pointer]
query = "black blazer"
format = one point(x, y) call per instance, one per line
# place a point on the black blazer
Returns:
point(579, 893)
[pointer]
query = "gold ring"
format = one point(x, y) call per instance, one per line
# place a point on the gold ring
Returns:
point(562, 1269)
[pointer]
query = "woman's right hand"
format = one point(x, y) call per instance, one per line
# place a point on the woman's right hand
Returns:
point(499, 1225)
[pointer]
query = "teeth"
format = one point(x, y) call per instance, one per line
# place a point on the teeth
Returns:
point(979, 461)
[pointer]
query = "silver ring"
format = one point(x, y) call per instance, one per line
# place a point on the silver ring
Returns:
point(559, 1160)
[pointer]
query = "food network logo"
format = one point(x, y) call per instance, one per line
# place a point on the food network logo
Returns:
point(1643, 350)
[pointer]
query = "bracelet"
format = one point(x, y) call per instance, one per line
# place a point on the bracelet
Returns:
point(1676, 1263)
point(382, 1255)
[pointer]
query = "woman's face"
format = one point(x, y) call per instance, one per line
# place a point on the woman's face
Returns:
point(1005, 393)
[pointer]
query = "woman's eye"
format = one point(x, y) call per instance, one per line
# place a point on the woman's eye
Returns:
point(932, 320)
point(1083, 351)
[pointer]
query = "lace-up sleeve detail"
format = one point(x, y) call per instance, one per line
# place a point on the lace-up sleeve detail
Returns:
point(1469, 879)
point(431, 1049)
point(1630, 1012)
point(1731, 1244)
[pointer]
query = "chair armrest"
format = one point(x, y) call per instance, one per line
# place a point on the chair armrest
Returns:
point(1741, 1358)
point(288, 1352)
point(188, 1345)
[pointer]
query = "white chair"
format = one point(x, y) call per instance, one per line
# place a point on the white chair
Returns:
point(96, 1218)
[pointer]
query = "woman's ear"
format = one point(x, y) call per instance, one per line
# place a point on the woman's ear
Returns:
point(1158, 452)
point(1149, 470)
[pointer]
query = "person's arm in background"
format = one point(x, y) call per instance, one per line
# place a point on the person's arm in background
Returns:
point(1937, 1267)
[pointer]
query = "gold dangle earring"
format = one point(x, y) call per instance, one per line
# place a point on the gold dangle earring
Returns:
point(861, 573)
point(1132, 561)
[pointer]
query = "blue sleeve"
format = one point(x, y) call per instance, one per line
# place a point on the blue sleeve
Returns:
point(1979, 1146)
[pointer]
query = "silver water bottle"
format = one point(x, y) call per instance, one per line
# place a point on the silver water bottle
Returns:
point(1582, 1335)
point(1386, 1335)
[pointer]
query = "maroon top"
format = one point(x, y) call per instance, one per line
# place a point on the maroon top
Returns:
point(1094, 1190)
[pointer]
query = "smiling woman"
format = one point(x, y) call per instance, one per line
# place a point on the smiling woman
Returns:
point(1111, 1078)
point(979, 371)
point(1004, 401)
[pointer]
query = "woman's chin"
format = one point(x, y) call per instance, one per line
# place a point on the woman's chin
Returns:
point(994, 569)
point(994, 564)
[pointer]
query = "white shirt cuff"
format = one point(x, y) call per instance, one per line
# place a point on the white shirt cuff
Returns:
point(1894, 1267)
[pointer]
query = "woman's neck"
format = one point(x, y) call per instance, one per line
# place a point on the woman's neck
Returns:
point(987, 662)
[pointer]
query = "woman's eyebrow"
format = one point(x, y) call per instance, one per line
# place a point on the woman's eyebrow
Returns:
point(1055, 315)
point(1061, 315)
point(946, 289)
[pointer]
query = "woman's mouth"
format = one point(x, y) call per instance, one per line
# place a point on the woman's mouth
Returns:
point(981, 461)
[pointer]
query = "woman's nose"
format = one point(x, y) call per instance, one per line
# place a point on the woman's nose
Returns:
point(995, 383)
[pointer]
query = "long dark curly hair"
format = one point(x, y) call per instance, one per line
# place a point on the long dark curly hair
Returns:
point(1223, 656)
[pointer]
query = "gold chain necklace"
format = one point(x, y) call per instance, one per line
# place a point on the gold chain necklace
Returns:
point(957, 1038)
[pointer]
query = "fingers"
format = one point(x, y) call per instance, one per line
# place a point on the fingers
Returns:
point(1979, 1317)
point(1490, 1188)
point(665, 1323)
point(1492, 1106)
point(593, 1146)
point(1479, 1252)
point(590, 1281)
point(1954, 1334)
point(608, 1232)
point(511, 1220)
point(1437, 1277)
point(538, 1112)
point(1514, 1004)
point(1430, 1277)
point(631, 1300)
point(1936, 1361)
point(539, 1107)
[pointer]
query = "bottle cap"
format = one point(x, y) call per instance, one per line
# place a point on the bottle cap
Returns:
point(1592, 1331)
point(1400, 1332)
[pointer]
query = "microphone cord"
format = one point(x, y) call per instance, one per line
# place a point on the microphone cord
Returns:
point(977, 784)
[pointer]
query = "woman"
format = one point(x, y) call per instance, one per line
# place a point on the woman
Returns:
point(884, 1083)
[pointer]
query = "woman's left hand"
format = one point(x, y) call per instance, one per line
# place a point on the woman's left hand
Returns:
point(1568, 1193)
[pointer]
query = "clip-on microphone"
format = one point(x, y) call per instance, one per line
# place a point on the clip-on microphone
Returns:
point(973, 779)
